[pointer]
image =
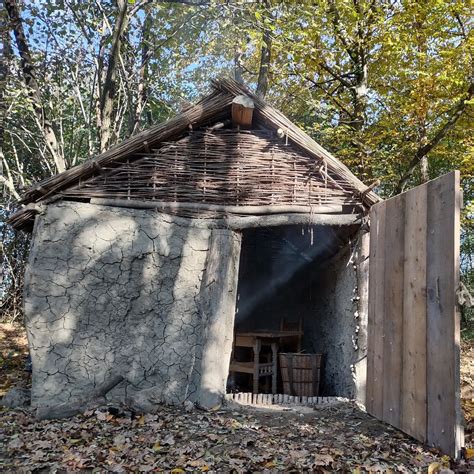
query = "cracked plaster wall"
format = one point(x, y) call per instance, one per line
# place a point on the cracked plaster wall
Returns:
point(332, 329)
point(123, 291)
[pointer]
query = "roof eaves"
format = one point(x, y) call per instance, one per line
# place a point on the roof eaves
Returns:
point(209, 107)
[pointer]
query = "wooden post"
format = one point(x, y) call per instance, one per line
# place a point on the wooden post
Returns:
point(275, 367)
point(242, 111)
point(256, 360)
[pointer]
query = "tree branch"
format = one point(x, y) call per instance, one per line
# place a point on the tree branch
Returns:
point(336, 23)
point(456, 114)
point(333, 99)
point(29, 77)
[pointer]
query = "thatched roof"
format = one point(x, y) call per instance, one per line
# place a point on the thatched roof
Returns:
point(209, 110)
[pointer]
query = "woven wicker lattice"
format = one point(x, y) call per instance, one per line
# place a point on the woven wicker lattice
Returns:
point(306, 172)
point(222, 167)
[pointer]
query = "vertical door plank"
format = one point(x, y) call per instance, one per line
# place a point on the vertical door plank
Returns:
point(375, 345)
point(414, 316)
point(393, 308)
point(413, 333)
point(443, 426)
point(369, 392)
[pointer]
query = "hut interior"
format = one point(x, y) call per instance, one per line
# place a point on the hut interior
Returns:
point(299, 278)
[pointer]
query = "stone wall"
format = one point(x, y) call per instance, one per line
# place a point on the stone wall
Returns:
point(120, 291)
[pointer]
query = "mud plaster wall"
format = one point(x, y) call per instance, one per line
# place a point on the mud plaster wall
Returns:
point(338, 328)
point(122, 291)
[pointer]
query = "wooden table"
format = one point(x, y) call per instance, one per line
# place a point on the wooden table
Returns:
point(255, 340)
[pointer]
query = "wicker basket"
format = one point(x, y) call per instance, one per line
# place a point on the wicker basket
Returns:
point(300, 373)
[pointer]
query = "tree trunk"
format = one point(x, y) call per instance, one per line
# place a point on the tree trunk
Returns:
point(107, 98)
point(142, 92)
point(360, 94)
point(425, 177)
point(421, 109)
point(4, 72)
point(238, 70)
point(28, 71)
point(265, 59)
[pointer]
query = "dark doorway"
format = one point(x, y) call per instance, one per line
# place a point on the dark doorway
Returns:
point(295, 275)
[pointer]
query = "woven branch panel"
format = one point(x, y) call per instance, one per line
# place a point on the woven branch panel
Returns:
point(222, 167)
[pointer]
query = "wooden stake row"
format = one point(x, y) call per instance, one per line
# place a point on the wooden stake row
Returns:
point(247, 398)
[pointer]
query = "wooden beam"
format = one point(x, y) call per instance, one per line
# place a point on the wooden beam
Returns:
point(247, 222)
point(250, 210)
point(242, 111)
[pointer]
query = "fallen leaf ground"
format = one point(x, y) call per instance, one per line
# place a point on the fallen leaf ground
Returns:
point(233, 439)
point(342, 438)
point(467, 389)
point(13, 354)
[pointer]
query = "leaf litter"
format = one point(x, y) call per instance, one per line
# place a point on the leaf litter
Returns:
point(231, 439)
point(183, 440)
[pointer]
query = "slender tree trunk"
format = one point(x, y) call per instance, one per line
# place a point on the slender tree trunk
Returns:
point(422, 105)
point(108, 92)
point(6, 177)
point(359, 56)
point(238, 69)
point(4, 72)
point(100, 79)
point(142, 92)
point(28, 71)
point(265, 60)
point(360, 94)
point(238, 51)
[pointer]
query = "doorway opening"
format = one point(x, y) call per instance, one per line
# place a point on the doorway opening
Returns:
point(296, 296)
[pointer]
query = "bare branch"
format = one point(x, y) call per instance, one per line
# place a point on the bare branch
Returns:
point(456, 114)
point(29, 77)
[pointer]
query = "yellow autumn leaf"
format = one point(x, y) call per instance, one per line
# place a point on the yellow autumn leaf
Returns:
point(434, 467)
point(176, 470)
point(205, 468)
point(157, 446)
point(446, 460)
point(469, 453)
point(270, 464)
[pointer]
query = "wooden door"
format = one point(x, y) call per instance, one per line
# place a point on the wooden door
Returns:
point(413, 328)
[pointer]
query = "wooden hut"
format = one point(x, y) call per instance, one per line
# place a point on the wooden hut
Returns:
point(228, 220)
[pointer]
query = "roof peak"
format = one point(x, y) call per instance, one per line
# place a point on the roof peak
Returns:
point(210, 109)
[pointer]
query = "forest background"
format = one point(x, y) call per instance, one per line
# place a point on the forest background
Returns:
point(385, 85)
